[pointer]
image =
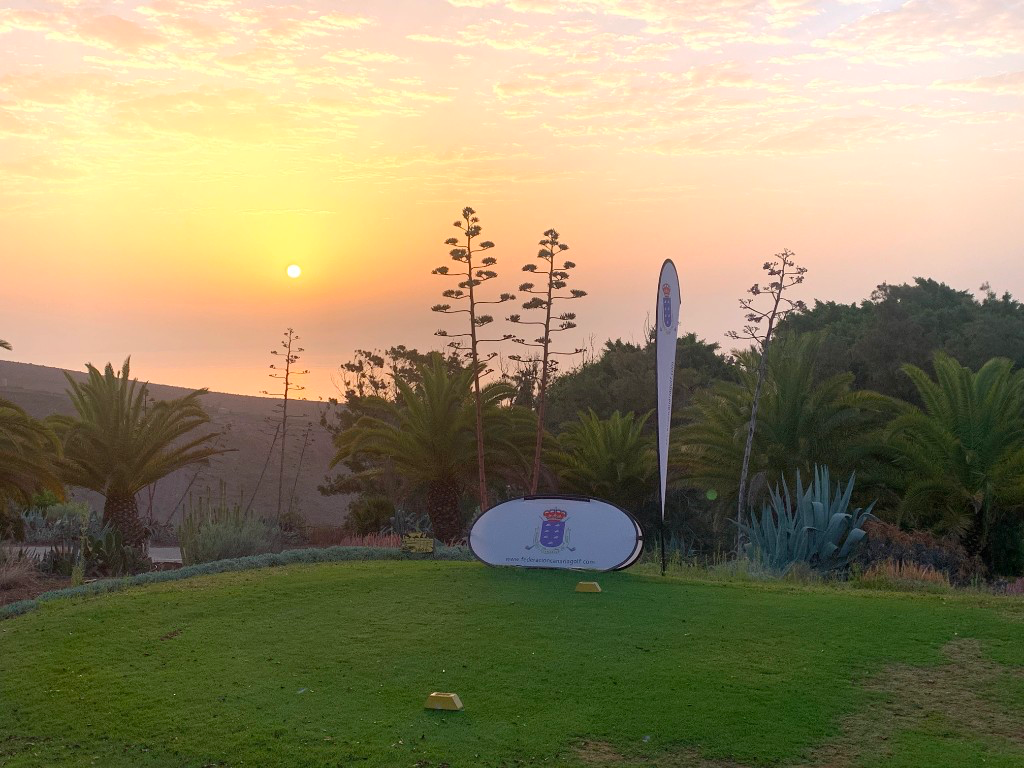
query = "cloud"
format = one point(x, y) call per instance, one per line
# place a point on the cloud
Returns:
point(12, 19)
point(40, 167)
point(116, 32)
point(828, 134)
point(306, 78)
point(11, 125)
point(929, 30)
point(362, 56)
point(698, 23)
point(1001, 84)
point(287, 212)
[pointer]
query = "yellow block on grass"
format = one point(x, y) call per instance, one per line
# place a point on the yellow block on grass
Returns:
point(588, 586)
point(449, 701)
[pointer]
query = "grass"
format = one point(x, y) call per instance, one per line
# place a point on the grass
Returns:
point(328, 665)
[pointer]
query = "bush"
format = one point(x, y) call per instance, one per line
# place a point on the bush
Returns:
point(893, 574)
point(291, 557)
point(1006, 547)
point(369, 514)
point(814, 526)
point(106, 554)
point(294, 528)
point(161, 534)
point(333, 536)
point(59, 523)
point(208, 533)
point(11, 524)
point(887, 542)
point(60, 560)
point(17, 571)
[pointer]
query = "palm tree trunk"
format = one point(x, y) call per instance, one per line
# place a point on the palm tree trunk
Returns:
point(443, 508)
point(122, 512)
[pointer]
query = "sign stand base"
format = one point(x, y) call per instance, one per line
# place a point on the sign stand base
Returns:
point(588, 586)
point(448, 701)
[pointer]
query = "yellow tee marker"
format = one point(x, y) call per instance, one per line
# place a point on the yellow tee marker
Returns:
point(449, 701)
point(588, 586)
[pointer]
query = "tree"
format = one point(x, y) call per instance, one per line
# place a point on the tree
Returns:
point(803, 422)
point(620, 379)
point(611, 459)
point(962, 456)
point(117, 444)
point(367, 385)
point(428, 434)
point(29, 451)
point(290, 352)
point(544, 299)
point(909, 323)
point(475, 275)
point(784, 273)
point(5, 345)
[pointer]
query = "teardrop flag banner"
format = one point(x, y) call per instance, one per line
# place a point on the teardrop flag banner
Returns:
point(667, 315)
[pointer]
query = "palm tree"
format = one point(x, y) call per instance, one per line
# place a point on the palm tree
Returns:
point(961, 457)
point(611, 459)
point(428, 436)
point(29, 451)
point(802, 422)
point(5, 345)
point(121, 442)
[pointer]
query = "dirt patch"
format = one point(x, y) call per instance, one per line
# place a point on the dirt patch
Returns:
point(598, 753)
point(33, 589)
point(602, 753)
point(909, 698)
point(913, 696)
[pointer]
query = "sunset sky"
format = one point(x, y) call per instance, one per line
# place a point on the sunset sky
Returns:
point(163, 162)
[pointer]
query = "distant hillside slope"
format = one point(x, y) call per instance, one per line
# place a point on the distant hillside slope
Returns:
point(41, 391)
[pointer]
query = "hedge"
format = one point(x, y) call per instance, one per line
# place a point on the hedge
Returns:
point(269, 560)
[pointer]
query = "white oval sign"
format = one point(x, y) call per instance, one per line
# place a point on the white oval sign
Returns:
point(572, 532)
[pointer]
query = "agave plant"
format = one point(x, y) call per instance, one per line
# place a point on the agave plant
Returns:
point(816, 526)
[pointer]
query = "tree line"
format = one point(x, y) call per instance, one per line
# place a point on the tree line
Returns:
point(918, 390)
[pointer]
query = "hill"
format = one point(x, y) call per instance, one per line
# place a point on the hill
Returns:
point(249, 433)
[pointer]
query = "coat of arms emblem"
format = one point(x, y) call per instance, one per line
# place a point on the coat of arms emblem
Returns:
point(552, 535)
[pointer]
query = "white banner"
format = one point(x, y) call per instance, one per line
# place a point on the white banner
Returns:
point(570, 532)
point(665, 354)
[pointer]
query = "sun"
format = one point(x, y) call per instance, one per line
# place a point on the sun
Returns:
point(294, 270)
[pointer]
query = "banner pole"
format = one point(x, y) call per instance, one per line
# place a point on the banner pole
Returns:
point(662, 546)
point(666, 314)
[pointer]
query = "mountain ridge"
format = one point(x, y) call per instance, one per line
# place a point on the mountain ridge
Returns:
point(247, 421)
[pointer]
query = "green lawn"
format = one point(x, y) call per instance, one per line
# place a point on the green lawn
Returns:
point(329, 665)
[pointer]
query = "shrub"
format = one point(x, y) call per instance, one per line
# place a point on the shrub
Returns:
point(409, 521)
point(814, 526)
point(919, 548)
point(106, 554)
point(12, 526)
point(325, 536)
point(161, 534)
point(290, 557)
point(893, 574)
point(1006, 547)
point(59, 523)
point(294, 528)
point(60, 560)
point(369, 514)
point(1016, 588)
point(17, 571)
point(209, 533)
